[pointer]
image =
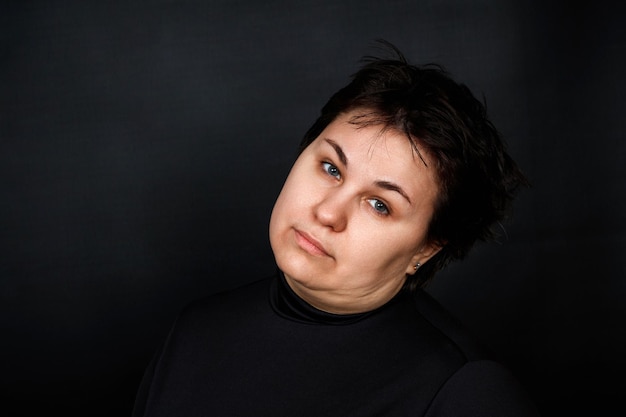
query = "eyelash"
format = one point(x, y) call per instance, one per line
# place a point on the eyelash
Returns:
point(334, 172)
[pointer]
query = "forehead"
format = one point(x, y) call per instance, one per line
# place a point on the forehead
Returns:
point(359, 128)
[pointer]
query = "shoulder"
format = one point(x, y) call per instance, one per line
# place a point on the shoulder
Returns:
point(210, 316)
point(450, 328)
point(482, 388)
point(226, 305)
point(211, 321)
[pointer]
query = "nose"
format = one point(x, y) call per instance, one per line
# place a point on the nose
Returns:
point(332, 210)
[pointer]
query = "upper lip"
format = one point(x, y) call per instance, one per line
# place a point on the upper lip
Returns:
point(313, 240)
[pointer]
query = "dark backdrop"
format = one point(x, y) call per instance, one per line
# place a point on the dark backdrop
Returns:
point(142, 145)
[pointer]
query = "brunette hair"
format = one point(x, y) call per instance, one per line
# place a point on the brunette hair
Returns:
point(477, 178)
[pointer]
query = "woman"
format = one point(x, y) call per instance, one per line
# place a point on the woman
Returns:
point(401, 173)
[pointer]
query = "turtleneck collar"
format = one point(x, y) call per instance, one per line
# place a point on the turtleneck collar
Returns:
point(289, 305)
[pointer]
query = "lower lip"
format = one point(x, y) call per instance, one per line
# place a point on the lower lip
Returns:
point(309, 246)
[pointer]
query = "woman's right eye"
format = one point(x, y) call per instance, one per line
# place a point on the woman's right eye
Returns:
point(331, 170)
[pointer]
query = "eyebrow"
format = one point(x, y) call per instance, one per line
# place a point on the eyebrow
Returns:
point(340, 154)
point(393, 187)
point(381, 184)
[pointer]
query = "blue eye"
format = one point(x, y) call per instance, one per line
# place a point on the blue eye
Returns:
point(379, 206)
point(331, 170)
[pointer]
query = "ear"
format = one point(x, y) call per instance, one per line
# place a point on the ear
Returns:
point(427, 251)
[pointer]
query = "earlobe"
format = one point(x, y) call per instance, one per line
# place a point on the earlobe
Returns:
point(413, 267)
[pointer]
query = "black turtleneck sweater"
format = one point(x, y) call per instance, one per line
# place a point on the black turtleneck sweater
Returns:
point(262, 351)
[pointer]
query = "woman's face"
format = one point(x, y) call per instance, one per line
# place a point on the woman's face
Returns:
point(352, 217)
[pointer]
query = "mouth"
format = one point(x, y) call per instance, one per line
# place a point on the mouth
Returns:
point(309, 244)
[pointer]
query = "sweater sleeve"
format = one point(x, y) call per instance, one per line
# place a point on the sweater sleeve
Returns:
point(145, 387)
point(141, 397)
point(480, 389)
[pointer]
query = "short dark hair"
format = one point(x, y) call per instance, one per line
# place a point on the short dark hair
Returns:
point(477, 178)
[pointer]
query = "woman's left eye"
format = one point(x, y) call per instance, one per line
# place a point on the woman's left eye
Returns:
point(331, 170)
point(379, 206)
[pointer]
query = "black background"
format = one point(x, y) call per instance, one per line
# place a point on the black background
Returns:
point(142, 145)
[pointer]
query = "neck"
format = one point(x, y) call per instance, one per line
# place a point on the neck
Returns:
point(345, 302)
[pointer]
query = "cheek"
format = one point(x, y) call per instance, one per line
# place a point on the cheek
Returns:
point(275, 230)
point(285, 199)
point(276, 216)
point(294, 191)
point(286, 205)
point(386, 248)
